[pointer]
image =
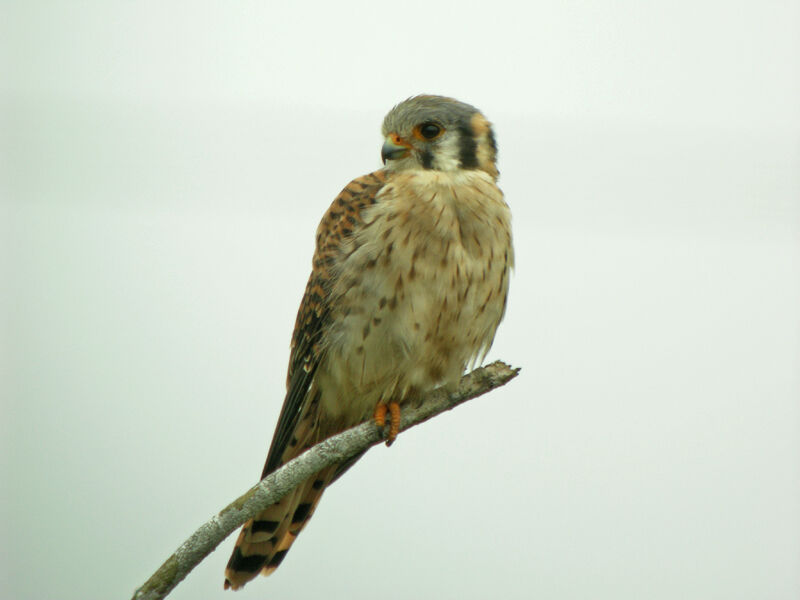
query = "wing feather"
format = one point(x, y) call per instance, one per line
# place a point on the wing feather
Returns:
point(336, 226)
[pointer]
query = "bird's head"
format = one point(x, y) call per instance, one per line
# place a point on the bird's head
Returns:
point(435, 132)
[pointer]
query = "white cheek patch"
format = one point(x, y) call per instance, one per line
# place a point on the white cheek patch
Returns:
point(446, 154)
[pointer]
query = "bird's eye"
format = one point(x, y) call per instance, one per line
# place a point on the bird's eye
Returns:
point(429, 130)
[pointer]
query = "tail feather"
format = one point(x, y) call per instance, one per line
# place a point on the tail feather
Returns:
point(265, 539)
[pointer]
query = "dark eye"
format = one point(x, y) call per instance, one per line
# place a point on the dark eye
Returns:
point(429, 130)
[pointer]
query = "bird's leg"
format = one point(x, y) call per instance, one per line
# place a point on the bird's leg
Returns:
point(394, 422)
point(393, 408)
point(380, 414)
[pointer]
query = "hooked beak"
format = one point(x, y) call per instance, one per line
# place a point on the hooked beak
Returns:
point(394, 147)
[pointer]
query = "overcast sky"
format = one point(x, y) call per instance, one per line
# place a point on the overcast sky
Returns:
point(164, 169)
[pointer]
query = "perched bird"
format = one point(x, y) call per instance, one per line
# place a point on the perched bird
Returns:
point(408, 286)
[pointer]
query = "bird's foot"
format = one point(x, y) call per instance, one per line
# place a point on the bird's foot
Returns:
point(393, 408)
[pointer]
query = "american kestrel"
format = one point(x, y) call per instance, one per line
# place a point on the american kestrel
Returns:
point(408, 286)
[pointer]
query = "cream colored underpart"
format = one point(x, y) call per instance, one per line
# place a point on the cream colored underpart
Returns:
point(420, 291)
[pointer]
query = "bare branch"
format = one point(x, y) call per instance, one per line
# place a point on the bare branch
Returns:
point(276, 485)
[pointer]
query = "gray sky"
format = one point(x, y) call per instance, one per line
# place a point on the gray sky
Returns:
point(165, 169)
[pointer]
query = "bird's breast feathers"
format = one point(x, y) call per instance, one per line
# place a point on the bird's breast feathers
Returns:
point(420, 288)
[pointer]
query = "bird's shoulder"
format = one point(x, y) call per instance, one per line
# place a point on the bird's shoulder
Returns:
point(344, 215)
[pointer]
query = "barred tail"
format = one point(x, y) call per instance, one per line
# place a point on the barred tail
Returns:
point(265, 539)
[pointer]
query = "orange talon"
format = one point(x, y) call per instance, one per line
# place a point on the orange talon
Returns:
point(380, 415)
point(393, 408)
point(394, 423)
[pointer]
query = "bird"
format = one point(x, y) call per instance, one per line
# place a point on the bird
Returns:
point(409, 283)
